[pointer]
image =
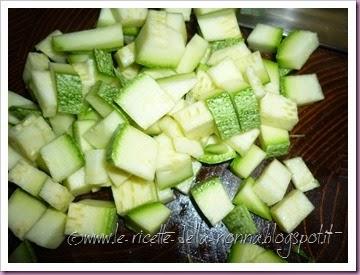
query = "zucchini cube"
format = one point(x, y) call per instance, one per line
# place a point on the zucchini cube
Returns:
point(274, 141)
point(134, 152)
point(265, 38)
point(212, 199)
point(62, 157)
point(76, 183)
point(48, 231)
point(301, 176)
point(24, 211)
point(272, 184)
point(95, 167)
point(148, 218)
point(28, 177)
point(241, 143)
point(278, 111)
point(30, 136)
point(219, 25)
point(292, 210)
point(239, 221)
point(132, 193)
point(91, 217)
point(144, 101)
point(56, 195)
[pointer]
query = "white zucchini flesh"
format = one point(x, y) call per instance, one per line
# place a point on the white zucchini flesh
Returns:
point(24, 211)
point(265, 38)
point(176, 21)
point(76, 183)
point(184, 11)
point(45, 46)
point(34, 61)
point(219, 25)
point(126, 55)
point(134, 152)
point(177, 86)
point(133, 193)
point(227, 76)
point(56, 195)
point(62, 123)
point(195, 120)
point(95, 167)
point(116, 175)
point(106, 18)
point(273, 70)
point(144, 101)
point(301, 176)
point(130, 17)
point(272, 183)
point(292, 210)
point(241, 143)
point(170, 127)
point(194, 52)
point(234, 52)
point(296, 48)
point(188, 146)
point(185, 186)
point(80, 127)
point(13, 157)
point(278, 111)
point(27, 177)
point(302, 89)
point(48, 231)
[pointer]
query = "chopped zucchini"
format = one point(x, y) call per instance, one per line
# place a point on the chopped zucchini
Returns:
point(48, 231)
point(148, 218)
point(273, 70)
point(177, 86)
point(165, 195)
point(106, 18)
point(134, 152)
point(170, 127)
point(68, 87)
point(23, 253)
point(172, 168)
point(185, 186)
point(234, 49)
point(186, 12)
point(217, 153)
point(302, 89)
point(21, 112)
point(194, 52)
point(274, 141)
point(176, 21)
point(272, 183)
point(99, 135)
point(212, 199)
point(239, 221)
point(227, 76)
point(44, 90)
point(104, 63)
point(80, 127)
point(268, 256)
point(255, 62)
point(219, 25)
point(144, 101)
point(188, 146)
point(30, 135)
point(224, 114)
point(62, 157)
point(195, 120)
point(265, 38)
point(14, 157)
point(76, 183)
point(278, 111)
point(248, 197)
point(301, 176)
point(27, 177)
point(157, 73)
point(91, 217)
point(247, 109)
point(24, 211)
point(34, 62)
point(204, 87)
point(130, 17)
point(45, 46)
point(255, 82)
point(108, 37)
point(56, 195)
point(126, 55)
point(95, 167)
point(244, 166)
point(132, 193)
point(202, 11)
point(158, 45)
point(296, 48)
point(62, 123)
point(241, 143)
point(116, 175)
point(244, 252)
point(292, 210)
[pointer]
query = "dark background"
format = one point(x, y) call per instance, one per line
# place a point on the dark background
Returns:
point(322, 143)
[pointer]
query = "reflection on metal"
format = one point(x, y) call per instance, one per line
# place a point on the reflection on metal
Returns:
point(330, 24)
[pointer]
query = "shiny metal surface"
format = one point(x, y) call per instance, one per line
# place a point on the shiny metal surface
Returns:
point(330, 24)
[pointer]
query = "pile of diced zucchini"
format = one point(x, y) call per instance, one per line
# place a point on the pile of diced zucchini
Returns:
point(137, 105)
